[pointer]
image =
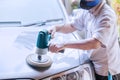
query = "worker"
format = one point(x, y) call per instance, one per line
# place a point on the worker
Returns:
point(101, 41)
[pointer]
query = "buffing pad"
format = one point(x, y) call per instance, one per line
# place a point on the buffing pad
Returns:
point(34, 61)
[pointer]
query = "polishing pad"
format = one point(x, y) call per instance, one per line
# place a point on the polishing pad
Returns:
point(34, 61)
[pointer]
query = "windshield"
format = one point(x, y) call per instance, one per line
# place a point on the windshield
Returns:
point(29, 11)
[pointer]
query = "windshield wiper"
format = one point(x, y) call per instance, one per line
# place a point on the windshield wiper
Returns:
point(10, 23)
point(43, 22)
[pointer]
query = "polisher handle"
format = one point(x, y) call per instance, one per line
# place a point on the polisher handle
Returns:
point(43, 39)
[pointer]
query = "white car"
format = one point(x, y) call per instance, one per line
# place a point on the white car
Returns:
point(20, 22)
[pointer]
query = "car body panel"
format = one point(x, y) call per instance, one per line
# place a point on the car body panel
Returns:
point(17, 44)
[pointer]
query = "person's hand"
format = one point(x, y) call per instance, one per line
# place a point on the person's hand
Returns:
point(54, 48)
point(52, 31)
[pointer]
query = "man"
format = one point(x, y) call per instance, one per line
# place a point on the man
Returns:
point(101, 43)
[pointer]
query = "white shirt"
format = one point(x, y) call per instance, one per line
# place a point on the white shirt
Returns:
point(100, 23)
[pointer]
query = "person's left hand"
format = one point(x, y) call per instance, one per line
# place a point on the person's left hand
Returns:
point(54, 48)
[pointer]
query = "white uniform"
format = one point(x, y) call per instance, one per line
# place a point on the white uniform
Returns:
point(100, 23)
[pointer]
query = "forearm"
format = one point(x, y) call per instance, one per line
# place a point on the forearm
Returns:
point(84, 45)
point(65, 28)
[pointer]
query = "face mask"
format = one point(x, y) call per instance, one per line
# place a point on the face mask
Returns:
point(89, 4)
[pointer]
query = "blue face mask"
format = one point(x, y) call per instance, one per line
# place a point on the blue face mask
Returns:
point(89, 4)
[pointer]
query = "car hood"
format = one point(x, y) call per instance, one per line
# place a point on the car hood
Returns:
point(16, 43)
